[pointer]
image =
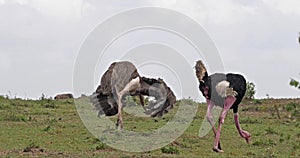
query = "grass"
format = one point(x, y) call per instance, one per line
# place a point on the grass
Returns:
point(49, 128)
point(170, 150)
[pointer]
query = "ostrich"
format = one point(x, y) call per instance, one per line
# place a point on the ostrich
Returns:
point(226, 91)
point(122, 79)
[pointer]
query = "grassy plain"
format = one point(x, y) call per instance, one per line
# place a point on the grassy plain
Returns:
point(53, 128)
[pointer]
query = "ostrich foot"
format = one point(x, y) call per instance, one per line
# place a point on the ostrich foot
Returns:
point(246, 135)
point(119, 125)
point(217, 150)
point(242, 133)
point(219, 146)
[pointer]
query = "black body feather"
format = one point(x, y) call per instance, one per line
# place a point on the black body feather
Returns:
point(237, 82)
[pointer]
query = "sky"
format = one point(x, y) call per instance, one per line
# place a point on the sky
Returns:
point(40, 41)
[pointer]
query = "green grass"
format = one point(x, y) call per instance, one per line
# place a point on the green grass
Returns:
point(49, 128)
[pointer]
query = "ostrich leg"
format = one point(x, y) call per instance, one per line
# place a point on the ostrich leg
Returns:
point(132, 85)
point(142, 101)
point(209, 117)
point(242, 133)
point(227, 104)
point(120, 120)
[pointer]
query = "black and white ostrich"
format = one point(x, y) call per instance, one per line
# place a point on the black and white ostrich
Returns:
point(122, 79)
point(226, 91)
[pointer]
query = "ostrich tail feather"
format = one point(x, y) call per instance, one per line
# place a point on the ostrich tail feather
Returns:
point(201, 71)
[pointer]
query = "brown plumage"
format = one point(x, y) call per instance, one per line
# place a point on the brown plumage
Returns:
point(122, 79)
point(201, 71)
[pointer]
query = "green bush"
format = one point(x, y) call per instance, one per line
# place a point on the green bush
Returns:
point(291, 106)
point(250, 90)
point(293, 109)
point(294, 83)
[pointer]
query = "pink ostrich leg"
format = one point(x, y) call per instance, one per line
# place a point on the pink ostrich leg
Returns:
point(229, 101)
point(243, 133)
point(209, 117)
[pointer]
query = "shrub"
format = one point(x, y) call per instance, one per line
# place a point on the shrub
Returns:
point(293, 109)
point(294, 83)
point(43, 97)
point(291, 106)
point(250, 90)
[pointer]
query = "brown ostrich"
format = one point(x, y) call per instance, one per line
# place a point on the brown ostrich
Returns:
point(122, 79)
point(226, 91)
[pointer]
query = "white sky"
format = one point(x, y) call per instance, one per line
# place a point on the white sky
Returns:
point(39, 40)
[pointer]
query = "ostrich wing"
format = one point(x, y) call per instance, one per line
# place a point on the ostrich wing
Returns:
point(164, 96)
